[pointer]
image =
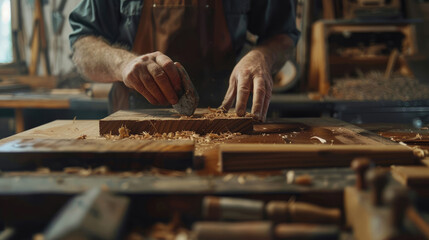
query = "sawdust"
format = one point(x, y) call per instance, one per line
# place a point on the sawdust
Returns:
point(217, 113)
point(374, 86)
point(178, 135)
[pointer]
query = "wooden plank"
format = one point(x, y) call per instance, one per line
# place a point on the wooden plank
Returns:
point(415, 176)
point(248, 157)
point(125, 154)
point(167, 120)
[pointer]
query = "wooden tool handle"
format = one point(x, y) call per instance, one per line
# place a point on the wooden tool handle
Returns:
point(215, 208)
point(233, 231)
point(302, 213)
point(305, 232)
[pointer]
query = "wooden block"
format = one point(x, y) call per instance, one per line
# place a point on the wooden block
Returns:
point(125, 154)
point(244, 157)
point(412, 176)
point(167, 120)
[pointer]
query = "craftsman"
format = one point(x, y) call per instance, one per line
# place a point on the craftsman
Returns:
point(133, 44)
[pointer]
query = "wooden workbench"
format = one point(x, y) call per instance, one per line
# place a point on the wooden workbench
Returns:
point(288, 132)
point(40, 194)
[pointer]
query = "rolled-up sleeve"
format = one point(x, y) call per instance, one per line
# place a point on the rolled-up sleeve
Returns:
point(96, 18)
point(267, 18)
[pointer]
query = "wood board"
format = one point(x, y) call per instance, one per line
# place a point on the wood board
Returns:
point(167, 120)
point(251, 157)
point(125, 154)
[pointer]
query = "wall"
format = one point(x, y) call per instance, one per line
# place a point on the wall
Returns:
point(59, 49)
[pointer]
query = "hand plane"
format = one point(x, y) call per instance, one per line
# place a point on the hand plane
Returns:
point(188, 99)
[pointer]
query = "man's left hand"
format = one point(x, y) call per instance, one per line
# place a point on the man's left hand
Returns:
point(250, 75)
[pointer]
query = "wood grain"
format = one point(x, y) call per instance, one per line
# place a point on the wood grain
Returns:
point(125, 154)
point(167, 120)
point(415, 176)
point(248, 157)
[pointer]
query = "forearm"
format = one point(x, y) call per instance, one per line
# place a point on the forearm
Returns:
point(276, 51)
point(99, 61)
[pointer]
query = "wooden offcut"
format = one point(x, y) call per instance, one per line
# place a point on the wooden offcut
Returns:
point(248, 157)
point(125, 154)
point(167, 120)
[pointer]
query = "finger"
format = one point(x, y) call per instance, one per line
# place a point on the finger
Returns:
point(161, 79)
point(228, 101)
point(243, 91)
point(259, 93)
point(267, 100)
point(170, 69)
point(152, 87)
point(139, 87)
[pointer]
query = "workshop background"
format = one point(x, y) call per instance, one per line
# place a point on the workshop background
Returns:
point(334, 52)
point(343, 155)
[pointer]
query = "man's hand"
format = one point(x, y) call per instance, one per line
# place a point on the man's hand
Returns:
point(154, 76)
point(251, 75)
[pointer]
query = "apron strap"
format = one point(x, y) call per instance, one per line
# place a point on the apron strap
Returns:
point(144, 39)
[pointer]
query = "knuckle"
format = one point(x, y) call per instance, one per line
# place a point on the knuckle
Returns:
point(168, 64)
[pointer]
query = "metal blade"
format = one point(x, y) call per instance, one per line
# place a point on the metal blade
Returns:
point(188, 101)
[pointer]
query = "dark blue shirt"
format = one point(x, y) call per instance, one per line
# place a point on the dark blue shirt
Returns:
point(117, 20)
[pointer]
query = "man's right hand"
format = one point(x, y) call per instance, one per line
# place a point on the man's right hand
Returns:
point(154, 76)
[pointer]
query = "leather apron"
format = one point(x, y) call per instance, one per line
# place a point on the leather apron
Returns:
point(192, 32)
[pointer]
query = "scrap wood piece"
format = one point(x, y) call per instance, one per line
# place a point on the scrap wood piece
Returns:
point(411, 176)
point(166, 120)
point(125, 154)
point(246, 157)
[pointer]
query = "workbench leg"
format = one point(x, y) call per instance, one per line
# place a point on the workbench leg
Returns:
point(19, 120)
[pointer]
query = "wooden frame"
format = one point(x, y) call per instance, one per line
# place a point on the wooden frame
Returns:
point(320, 61)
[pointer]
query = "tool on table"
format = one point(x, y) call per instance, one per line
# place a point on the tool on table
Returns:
point(262, 230)
point(188, 101)
point(215, 208)
point(93, 215)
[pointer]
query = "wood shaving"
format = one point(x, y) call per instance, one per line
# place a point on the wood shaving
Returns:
point(304, 180)
point(72, 170)
point(418, 152)
point(227, 177)
point(218, 113)
point(179, 135)
point(82, 137)
point(124, 132)
point(323, 141)
point(241, 179)
point(290, 177)
point(417, 137)
point(101, 170)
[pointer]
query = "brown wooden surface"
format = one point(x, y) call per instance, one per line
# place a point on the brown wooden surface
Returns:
point(288, 132)
point(248, 157)
point(30, 154)
point(168, 120)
